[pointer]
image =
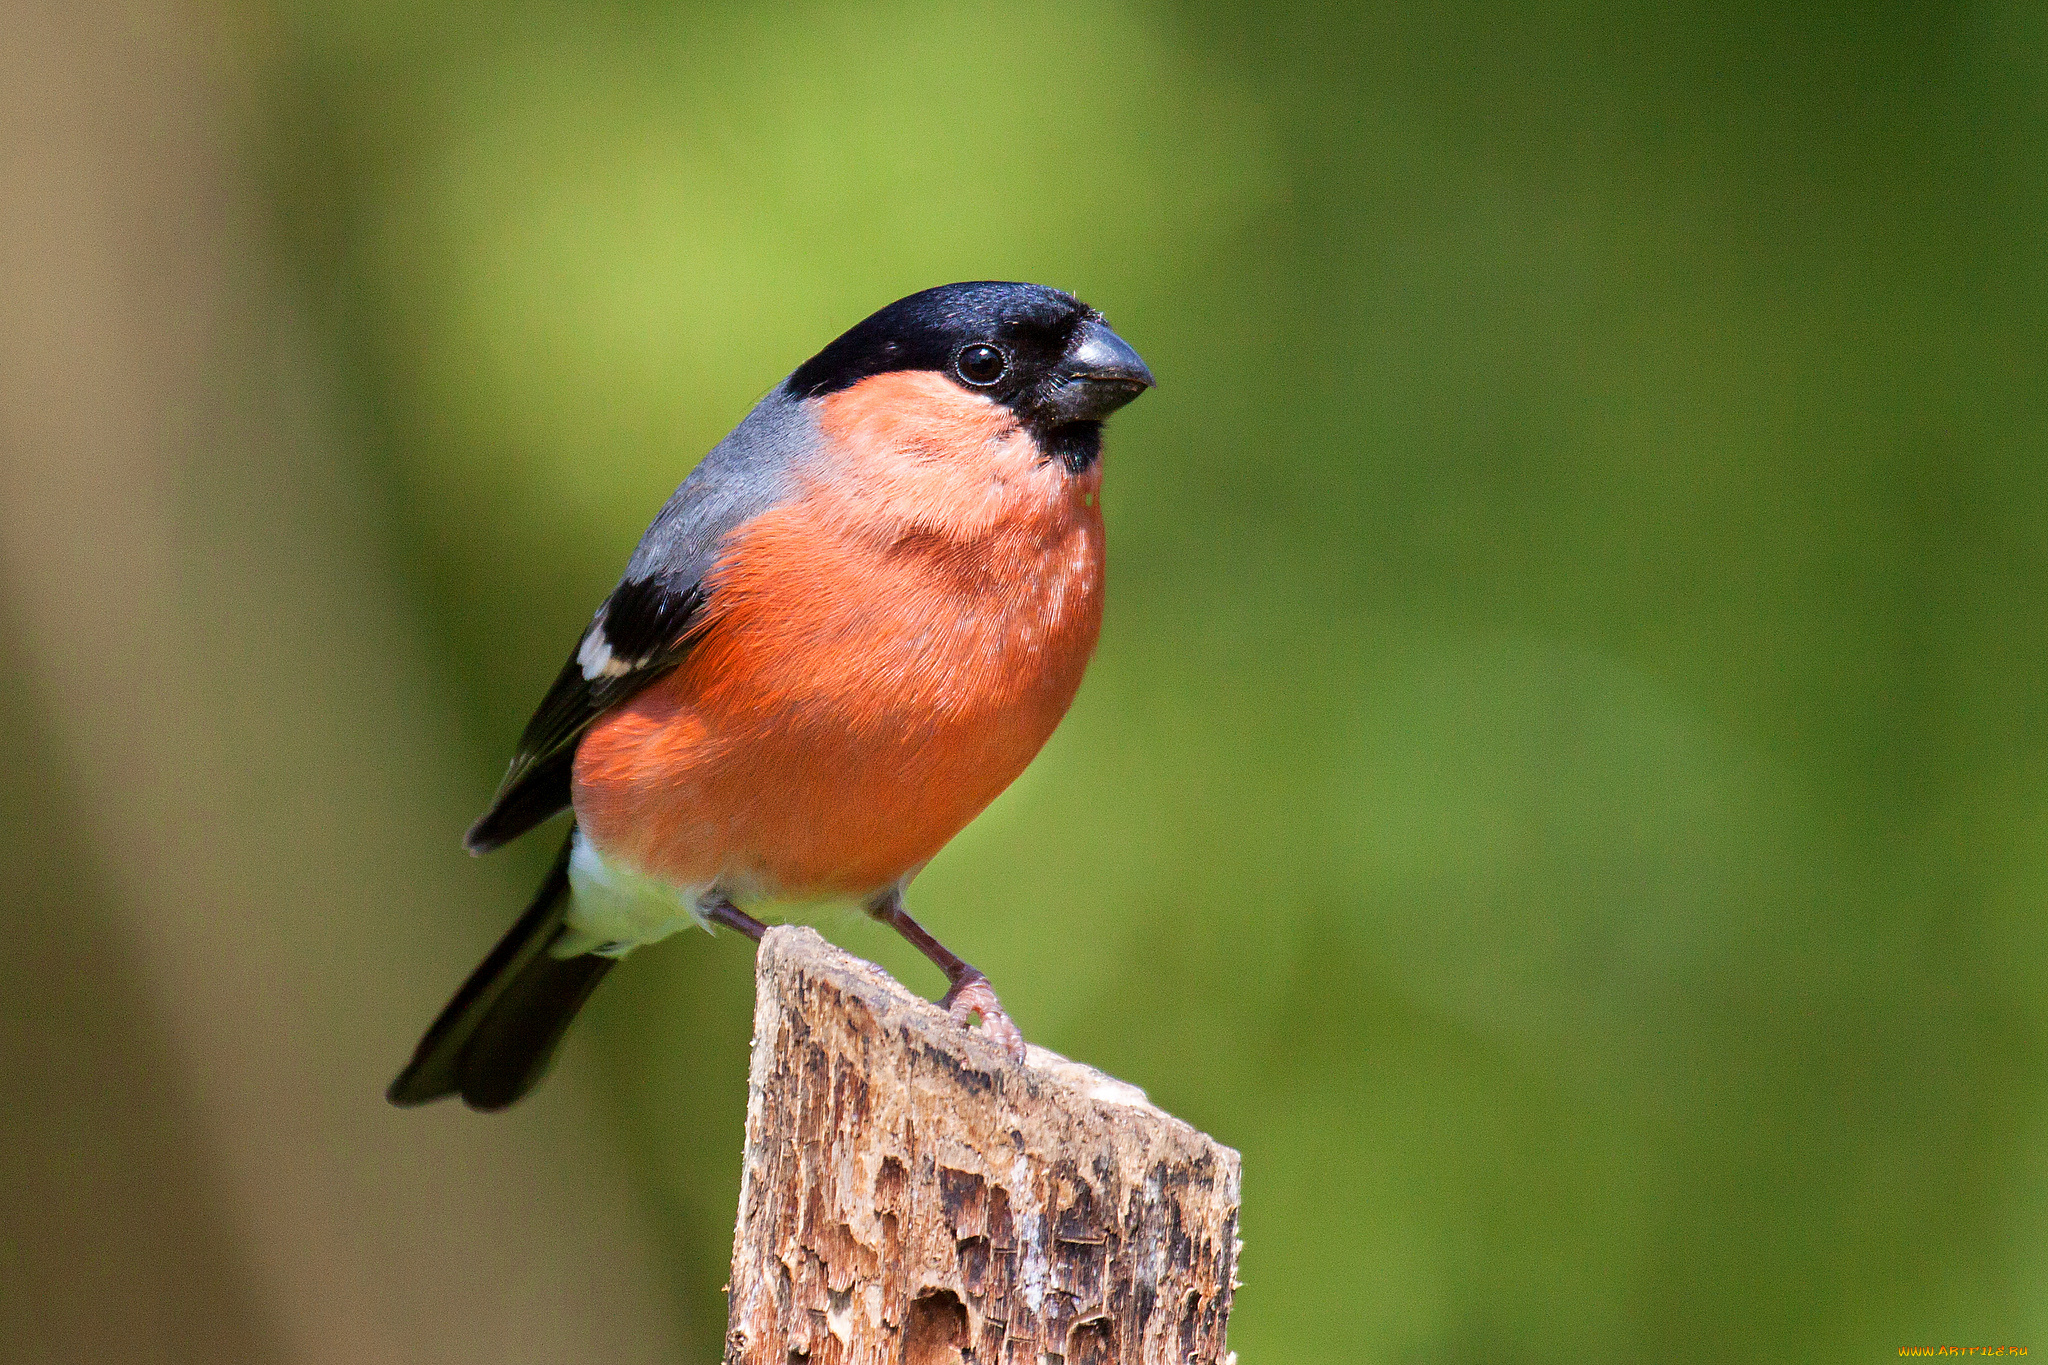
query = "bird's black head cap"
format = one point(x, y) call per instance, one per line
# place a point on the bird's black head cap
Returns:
point(1038, 351)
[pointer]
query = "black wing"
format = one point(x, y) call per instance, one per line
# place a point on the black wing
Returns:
point(639, 634)
point(644, 628)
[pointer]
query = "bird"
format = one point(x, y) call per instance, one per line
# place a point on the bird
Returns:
point(856, 621)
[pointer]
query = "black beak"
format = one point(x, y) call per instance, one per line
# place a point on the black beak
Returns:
point(1100, 374)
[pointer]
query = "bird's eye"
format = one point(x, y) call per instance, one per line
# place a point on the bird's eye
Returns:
point(980, 364)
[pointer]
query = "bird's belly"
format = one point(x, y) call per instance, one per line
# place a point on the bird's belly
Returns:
point(827, 737)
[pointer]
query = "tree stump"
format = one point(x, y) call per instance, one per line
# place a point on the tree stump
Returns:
point(912, 1196)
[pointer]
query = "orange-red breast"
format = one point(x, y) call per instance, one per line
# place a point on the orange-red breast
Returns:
point(852, 626)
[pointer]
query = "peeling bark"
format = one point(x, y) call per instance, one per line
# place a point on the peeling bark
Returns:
point(911, 1196)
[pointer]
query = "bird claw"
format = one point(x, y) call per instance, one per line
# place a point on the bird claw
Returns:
point(972, 995)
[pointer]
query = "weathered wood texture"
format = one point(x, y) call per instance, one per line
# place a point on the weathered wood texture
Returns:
point(912, 1196)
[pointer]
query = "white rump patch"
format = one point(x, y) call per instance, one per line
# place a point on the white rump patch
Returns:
point(613, 909)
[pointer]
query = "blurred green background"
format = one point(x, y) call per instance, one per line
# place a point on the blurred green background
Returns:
point(1564, 784)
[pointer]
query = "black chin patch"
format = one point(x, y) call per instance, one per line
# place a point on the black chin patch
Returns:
point(1077, 445)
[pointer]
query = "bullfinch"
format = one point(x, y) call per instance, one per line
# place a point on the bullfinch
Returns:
point(851, 627)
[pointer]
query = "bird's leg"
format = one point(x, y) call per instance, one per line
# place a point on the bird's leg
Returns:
point(968, 992)
point(723, 911)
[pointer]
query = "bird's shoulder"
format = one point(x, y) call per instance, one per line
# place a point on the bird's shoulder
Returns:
point(644, 626)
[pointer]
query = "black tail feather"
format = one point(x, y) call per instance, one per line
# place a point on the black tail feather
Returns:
point(512, 1047)
point(493, 1041)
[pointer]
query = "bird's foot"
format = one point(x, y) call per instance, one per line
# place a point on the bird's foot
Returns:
point(971, 995)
